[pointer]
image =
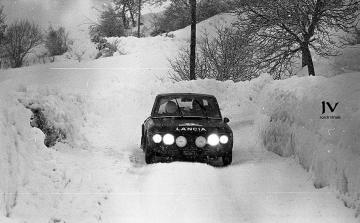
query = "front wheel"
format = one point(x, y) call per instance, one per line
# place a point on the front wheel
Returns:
point(149, 157)
point(227, 159)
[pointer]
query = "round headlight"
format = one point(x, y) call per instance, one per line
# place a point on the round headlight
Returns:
point(200, 142)
point(213, 140)
point(168, 139)
point(224, 139)
point(181, 141)
point(157, 138)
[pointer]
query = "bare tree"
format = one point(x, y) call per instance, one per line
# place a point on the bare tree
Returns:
point(181, 66)
point(282, 30)
point(20, 38)
point(226, 55)
point(2, 24)
point(2, 36)
point(57, 41)
point(128, 9)
point(229, 55)
point(109, 24)
point(120, 8)
point(139, 19)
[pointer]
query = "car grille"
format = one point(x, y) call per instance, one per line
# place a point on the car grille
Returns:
point(190, 146)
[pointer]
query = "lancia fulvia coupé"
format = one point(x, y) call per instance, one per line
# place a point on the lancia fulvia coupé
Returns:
point(186, 127)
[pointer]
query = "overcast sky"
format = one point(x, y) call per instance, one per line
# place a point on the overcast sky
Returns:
point(73, 14)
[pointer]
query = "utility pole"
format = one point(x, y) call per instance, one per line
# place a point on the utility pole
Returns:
point(193, 40)
point(139, 17)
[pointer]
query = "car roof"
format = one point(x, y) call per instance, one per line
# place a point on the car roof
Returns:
point(184, 94)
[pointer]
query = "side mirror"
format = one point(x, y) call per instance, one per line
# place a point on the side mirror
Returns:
point(226, 120)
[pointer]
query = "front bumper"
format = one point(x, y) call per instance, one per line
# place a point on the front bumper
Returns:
point(190, 152)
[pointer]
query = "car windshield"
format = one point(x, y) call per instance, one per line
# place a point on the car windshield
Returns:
point(187, 106)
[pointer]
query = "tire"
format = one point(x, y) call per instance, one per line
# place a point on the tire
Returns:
point(142, 144)
point(143, 139)
point(227, 159)
point(149, 157)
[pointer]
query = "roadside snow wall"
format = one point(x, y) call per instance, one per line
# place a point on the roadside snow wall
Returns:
point(26, 165)
point(291, 123)
point(63, 115)
point(20, 147)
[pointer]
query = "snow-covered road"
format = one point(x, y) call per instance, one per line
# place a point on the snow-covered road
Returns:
point(117, 186)
point(258, 187)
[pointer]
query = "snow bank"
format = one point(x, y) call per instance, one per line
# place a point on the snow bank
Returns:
point(33, 175)
point(237, 100)
point(80, 49)
point(291, 123)
point(346, 62)
point(206, 27)
point(62, 112)
point(147, 48)
point(20, 158)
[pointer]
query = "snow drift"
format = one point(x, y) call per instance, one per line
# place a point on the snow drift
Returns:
point(291, 123)
point(20, 146)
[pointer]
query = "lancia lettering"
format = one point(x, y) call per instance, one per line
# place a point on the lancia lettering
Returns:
point(190, 129)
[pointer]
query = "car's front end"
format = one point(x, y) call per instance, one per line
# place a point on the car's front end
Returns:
point(185, 126)
point(186, 139)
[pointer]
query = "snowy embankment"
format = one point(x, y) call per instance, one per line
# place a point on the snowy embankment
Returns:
point(28, 168)
point(19, 160)
point(97, 172)
point(292, 123)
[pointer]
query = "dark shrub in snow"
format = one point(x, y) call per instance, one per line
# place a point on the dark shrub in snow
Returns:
point(56, 41)
point(52, 134)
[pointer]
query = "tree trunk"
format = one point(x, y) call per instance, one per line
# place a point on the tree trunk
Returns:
point(123, 14)
point(307, 60)
point(193, 40)
point(132, 18)
point(139, 17)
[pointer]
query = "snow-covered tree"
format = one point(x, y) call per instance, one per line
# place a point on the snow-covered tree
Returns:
point(284, 29)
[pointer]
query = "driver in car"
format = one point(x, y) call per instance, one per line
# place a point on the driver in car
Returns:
point(171, 108)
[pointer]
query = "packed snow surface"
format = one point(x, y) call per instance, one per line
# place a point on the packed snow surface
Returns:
point(98, 173)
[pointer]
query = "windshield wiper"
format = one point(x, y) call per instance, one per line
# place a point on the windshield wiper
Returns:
point(180, 112)
point(203, 109)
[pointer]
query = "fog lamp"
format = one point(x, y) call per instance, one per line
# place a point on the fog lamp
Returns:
point(200, 142)
point(168, 139)
point(213, 140)
point(157, 138)
point(224, 139)
point(181, 141)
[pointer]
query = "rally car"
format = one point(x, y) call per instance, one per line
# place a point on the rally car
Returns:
point(186, 127)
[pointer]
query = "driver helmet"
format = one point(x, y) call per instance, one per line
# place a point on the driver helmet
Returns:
point(170, 107)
